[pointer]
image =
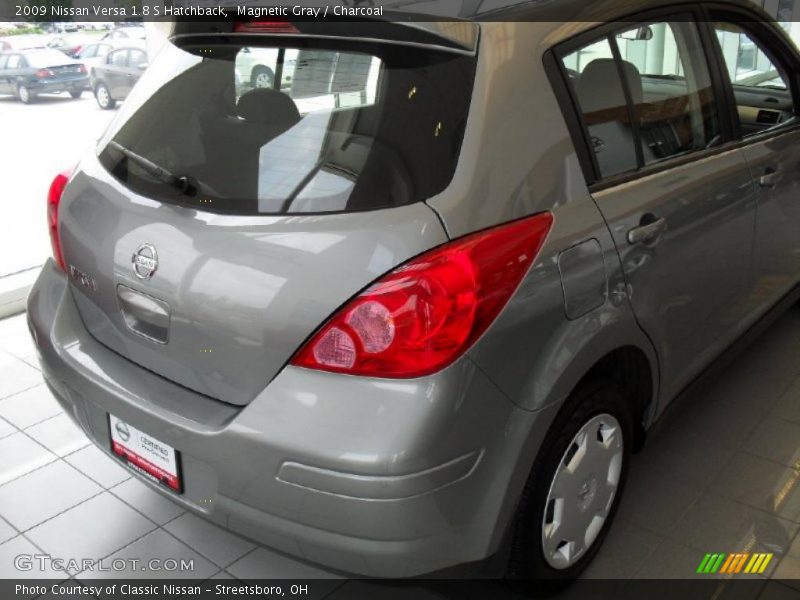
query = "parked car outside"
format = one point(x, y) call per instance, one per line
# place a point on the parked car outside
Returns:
point(70, 43)
point(418, 308)
point(117, 73)
point(29, 73)
point(94, 53)
point(22, 42)
point(135, 32)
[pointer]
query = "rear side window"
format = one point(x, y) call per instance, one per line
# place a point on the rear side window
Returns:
point(118, 58)
point(645, 95)
point(137, 59)
point(598, 88)
point(304, 126)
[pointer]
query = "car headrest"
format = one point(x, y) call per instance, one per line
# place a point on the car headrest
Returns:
point(265, 105)
point(598, 86)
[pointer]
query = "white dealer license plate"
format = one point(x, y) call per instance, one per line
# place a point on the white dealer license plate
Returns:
point(145, 454)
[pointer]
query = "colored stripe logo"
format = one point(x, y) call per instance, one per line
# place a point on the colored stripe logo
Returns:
point(733, 564)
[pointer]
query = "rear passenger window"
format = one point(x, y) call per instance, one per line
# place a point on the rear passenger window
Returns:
point(118, 58)
point(663, 108)
point(601, 97)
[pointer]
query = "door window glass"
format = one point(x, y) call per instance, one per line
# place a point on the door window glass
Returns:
point(118, 58)
point(137, 59)
point(671, 88)
point(747, 64)
point(672, 108)
point(760, 87)
point(13, 61)
point(598, 89)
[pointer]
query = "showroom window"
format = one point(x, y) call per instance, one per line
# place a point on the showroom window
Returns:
point(664, 108)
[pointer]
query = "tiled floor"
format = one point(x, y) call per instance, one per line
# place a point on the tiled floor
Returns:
point(719, 474)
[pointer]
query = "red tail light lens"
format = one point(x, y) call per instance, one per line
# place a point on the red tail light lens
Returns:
point(44, 73)
point(422, 316)
point(81, 68)
point(259, 26)
point(53, 201)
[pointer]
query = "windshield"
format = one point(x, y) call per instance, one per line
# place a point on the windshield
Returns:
point(306, 126)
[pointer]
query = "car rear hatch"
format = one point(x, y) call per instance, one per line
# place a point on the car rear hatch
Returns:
point(220, 224)
point(55, 66)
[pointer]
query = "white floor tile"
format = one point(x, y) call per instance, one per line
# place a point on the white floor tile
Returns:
point(43, 494)
point(20, 455)
point(92, 530)
point(150, 503)
point(59, 435)
point(95, 464)
point(29, 407)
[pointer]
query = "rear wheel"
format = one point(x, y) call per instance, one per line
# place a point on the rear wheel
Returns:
point(262, 77)
point(76, 93)
point(103, 97)
point(24, 94)
point(575, 486)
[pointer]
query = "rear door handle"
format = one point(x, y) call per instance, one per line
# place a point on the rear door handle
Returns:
point(770, 178)
point(650, 229)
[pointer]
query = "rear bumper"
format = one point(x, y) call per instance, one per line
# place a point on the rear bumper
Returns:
point(59, 85)
point(373, 477)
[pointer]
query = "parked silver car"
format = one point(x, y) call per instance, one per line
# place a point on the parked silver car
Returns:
point(419, 307)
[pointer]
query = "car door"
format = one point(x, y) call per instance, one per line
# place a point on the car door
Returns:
point(5, 88)
point(762, 72)
point(136, 64)
point(12, 71)
point(115, 72)
point(675, 191)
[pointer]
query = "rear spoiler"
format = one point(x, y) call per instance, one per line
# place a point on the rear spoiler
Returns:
point(460, 37)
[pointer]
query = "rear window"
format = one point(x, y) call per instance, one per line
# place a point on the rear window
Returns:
point(303, 127)
point(47, 58)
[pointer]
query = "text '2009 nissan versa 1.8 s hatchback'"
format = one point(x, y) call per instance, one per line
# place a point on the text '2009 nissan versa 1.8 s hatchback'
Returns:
point(419, 305)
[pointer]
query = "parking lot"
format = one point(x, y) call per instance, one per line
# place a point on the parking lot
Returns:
point(40, 140)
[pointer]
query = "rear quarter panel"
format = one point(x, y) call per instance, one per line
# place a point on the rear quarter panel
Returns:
point(518, 159)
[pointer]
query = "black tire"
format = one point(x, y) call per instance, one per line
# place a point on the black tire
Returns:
point(527, 560)
point(103, 97)
point(76, 93)
point(24, 94)
point(260, 72)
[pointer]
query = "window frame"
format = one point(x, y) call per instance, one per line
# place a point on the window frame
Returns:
point(553, 61)
point(768, 37)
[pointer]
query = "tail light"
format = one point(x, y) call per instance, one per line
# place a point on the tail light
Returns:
point(81, 68)
point(53, 201)
point(44, 73)
point(422, 316)
point(259, 26)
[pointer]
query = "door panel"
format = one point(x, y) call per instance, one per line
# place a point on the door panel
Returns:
point(775, 165)
point(759, 67)
point(683, 217)
point(690, 286)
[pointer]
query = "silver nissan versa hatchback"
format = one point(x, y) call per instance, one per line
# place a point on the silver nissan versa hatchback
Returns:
point(416, 306)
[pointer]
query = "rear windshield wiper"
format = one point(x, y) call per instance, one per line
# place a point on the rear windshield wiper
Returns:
point(181, 183)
